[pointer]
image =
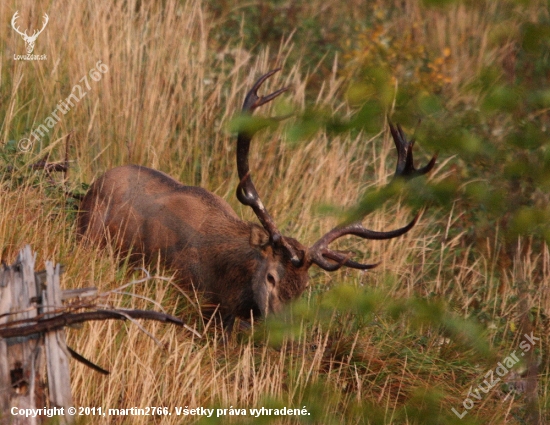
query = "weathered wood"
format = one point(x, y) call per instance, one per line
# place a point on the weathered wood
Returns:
point(5, 304)
point(24, 359)
point(32, 338)
point(21, 383)
point(68, 294)
point(57, 356)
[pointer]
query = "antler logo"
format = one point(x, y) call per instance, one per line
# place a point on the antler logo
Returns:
point(29, 39)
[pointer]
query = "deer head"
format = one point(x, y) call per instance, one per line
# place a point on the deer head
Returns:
point(29, 39)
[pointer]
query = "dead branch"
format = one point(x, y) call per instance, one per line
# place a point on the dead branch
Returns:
point(65, 319)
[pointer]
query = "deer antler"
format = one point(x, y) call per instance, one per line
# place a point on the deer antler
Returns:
point(405, 167)
point(320, 251)
point(13, 19)
point(331, 260)
point(246, 191)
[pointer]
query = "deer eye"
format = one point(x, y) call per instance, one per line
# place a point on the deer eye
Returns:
point(271, 279)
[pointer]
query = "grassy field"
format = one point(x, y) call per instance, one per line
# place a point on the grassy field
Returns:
point(402, 344)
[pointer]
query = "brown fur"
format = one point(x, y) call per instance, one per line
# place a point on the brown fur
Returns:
point(198, 235)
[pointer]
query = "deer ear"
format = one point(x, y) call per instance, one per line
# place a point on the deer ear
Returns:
point(258, 236)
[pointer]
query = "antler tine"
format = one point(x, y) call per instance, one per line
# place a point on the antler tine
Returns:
point(319, 252)
point(13, 19)
point(46, 19)
point(405, 164)
point(252, 100)
point(246, 191)
point(342, 259)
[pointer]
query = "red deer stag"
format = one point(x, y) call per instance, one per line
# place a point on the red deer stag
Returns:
point(240, 266)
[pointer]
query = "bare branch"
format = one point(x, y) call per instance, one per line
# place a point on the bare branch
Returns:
point(66, 319)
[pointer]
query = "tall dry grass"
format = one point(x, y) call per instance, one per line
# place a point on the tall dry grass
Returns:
point(166, 102)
